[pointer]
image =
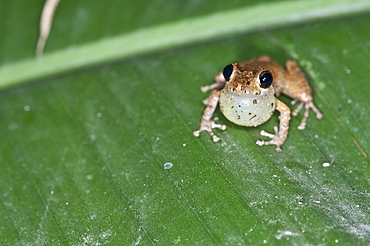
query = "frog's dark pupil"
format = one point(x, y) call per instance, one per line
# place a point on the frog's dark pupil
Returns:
point(265, 79)
point(228, 70)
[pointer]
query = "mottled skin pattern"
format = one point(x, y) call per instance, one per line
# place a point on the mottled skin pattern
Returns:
point(245, 100)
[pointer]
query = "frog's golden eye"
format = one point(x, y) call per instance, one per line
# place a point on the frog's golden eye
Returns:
point(265, 79)
point(228, 70)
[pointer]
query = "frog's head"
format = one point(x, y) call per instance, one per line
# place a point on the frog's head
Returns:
point(248, 79)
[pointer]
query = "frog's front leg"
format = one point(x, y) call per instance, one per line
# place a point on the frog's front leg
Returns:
point(207, 123)
point(280, 134)
point(217, 85)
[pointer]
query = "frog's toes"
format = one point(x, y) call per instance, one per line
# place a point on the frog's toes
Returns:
point(217, 85)
point(275, 139)
point(219, 126)
point(312, 106)
point(294, 101)
point(307, 105)
point(205, 101)
point(266, 134)
point(300, 106)
point(207, 126)
point(205, 88)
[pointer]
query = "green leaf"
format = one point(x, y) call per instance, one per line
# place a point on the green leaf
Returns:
point(85, 145)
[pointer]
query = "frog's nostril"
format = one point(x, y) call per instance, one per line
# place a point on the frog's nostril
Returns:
point(228, 70)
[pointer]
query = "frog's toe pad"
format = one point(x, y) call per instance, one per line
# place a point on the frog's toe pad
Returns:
point(208, 126)
point(266, 134)
point(271, 142)
point(275, 139)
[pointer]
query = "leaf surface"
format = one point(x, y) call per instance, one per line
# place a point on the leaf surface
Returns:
point(85, 145)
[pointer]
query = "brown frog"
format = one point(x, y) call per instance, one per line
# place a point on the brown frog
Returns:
point(247, 94)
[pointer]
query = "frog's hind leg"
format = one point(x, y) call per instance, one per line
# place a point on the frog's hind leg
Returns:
point(296, 87)
point(207, 123)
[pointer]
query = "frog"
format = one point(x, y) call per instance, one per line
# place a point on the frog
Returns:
point(247, 94)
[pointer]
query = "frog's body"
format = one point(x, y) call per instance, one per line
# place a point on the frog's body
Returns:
point(247, 93)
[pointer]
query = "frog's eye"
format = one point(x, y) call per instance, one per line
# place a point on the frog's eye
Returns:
point(265, 79)
point(228, 70)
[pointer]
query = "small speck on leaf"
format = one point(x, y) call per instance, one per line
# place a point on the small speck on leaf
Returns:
point(167, 165)
point(27, 108)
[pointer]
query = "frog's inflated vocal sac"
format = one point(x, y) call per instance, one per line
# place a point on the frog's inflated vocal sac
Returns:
point(247, 93)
